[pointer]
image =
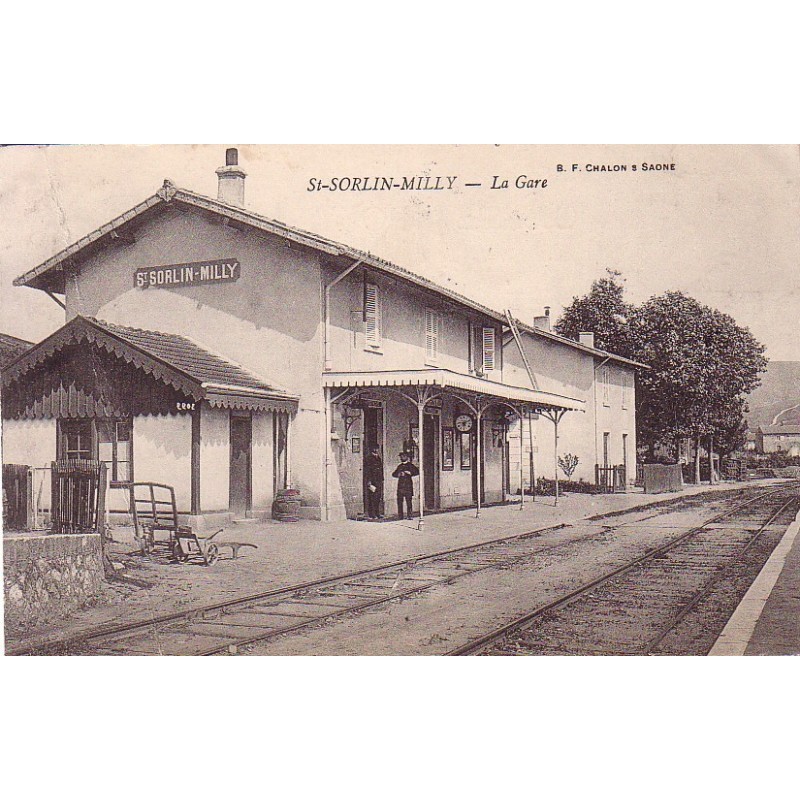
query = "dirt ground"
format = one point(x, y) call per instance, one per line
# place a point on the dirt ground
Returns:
point(290, 554)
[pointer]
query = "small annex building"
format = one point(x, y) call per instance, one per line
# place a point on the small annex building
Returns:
point(230, 355)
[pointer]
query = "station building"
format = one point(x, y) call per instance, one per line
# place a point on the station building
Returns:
point(605, 435)
point(231, 356)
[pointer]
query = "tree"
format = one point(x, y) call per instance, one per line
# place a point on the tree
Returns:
point(701, 363)
point(604, 312)
point(701, 366)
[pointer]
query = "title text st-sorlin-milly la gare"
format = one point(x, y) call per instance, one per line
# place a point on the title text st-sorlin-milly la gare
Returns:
point(419, 183)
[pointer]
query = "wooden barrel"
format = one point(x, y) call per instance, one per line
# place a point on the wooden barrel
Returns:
point(286, 505)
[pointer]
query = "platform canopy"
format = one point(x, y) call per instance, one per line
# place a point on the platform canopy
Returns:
point(446, 379)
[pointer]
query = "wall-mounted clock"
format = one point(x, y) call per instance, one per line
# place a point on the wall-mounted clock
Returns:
point(464, 423)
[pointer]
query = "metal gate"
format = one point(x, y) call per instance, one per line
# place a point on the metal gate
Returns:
point(78, 496)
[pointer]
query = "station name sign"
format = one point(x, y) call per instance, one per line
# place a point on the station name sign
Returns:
point(225, 270)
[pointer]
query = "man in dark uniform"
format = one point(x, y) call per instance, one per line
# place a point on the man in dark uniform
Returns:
point(405, 486)
point(373, 474)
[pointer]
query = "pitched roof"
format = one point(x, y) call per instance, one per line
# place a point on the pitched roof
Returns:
point(792, 430)
point(172, 359)
point(11, 347)
point(596, 352)
point(13, 341)
point(48, 276)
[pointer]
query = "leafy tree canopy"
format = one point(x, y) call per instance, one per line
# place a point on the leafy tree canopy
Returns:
point(604, 312)
point(702, 364)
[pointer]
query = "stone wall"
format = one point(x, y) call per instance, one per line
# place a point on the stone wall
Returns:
point(48, 577)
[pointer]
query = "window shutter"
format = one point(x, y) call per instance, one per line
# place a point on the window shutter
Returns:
point(606, 378)
point(372, 314)
point(431, 335)
point(488, 349)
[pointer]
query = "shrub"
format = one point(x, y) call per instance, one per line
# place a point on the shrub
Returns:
point(568, 462)
point(547, 486)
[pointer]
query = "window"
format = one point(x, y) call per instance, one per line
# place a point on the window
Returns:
point(372, 315)
point(433, 324)
point(114, 447)
point(626, 381)
point(488, 349)
point(482, 349)
point(605, 379)
point(75, 440)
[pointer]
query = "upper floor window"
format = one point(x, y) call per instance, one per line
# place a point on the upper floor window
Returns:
point(488, 349)
point(626, 383)
point(483, 351)
point(605, 380)
point(373, 327)
point(433, 324)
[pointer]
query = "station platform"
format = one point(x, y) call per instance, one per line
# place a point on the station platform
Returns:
point(767, 620)
point(289, 554)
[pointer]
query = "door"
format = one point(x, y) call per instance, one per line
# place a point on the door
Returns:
point(241, 458)
point(430, 448)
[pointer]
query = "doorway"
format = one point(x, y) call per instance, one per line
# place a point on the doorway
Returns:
point(430, 449)
point(473, 460)
point(240, 501)
point(625, 455)
point(373, 437)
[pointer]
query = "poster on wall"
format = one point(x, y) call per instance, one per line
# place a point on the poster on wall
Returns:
point(448, 448)
point(412, 443)
point(466, 451)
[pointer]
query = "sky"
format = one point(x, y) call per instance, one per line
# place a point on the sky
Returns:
point(721, 226)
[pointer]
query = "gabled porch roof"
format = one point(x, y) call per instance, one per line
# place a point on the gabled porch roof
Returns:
point(171, 360)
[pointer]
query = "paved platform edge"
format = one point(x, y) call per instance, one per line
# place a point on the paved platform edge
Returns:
point(736, 635)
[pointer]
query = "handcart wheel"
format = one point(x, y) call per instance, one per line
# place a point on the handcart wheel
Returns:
point(212, 554)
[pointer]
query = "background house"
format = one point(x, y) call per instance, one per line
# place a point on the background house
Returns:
point(778, 439)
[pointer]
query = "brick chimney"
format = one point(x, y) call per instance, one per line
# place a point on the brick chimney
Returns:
point(543, 323)
point(587, 338)
point(231, 180)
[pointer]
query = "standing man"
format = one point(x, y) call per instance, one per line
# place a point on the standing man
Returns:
point(373, 474)
point(404, 472)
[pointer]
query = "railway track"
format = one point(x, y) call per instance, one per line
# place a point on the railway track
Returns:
point(635, 608)
point(229, 626)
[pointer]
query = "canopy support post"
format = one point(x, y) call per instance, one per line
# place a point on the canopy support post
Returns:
point(555, 415)
point(421, 400)
point(521, 460)
point(531, 469)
